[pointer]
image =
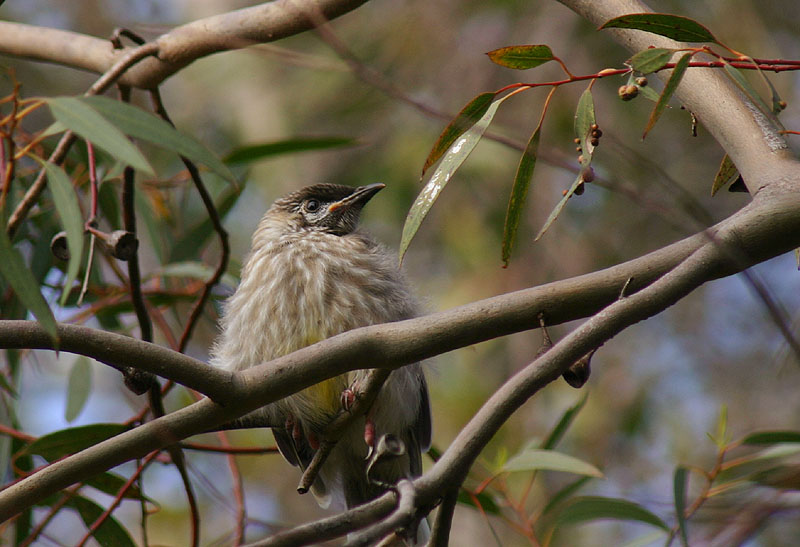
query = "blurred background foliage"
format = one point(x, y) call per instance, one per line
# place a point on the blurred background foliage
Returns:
point(656, 390)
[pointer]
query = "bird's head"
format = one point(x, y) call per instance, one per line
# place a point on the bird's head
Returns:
point(331, 208)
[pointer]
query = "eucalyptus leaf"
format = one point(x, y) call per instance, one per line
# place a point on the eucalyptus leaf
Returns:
point(79, 386)
point(521, 57)
point(676, 27)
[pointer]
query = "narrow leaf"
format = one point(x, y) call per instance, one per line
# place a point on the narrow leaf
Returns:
point(651, 60)
point(140, 124)
point(469, 115)
point(564, 494)
point(111, 484)
point(782, 477)
point(13, 269)
point(66, 202)
point(521, 57)
point(186, 248)
point(452, 158)
point(519, 194)
point(772, 437)
point(256, 152)
point(536, 459)
point(679, 487)
point(79, 386)
point(676, 27)
point(559, 206)
point(563, 424)
point(85, 121)
point(110, 532)
point(726, 174)
point(588, 508)
point(584, 119)
point(669, 89)
point(68, 441)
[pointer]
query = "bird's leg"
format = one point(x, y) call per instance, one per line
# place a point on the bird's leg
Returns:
point(348, 397)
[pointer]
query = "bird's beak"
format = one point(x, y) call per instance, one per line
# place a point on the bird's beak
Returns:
point(359, 197)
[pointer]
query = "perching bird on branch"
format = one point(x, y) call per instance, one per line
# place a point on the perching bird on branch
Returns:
point(310, 275)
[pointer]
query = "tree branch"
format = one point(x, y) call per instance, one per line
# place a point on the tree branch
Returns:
point(179, 47)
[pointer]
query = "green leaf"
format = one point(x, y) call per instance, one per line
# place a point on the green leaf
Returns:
point(519, 194)
point(783, 477)
point(13, 269)
point(111, 484)
point(726, 174)
point(772, 437)
point(559, 206)
point(140, 124)
point(110, 532)
point(469, 116)
point(584, 119)
point(679, 487)
point(720, 437)
point(563, 424)
point(521, 57)
point(669, 89)
point(565, 493)
point(66, 202)
point(452, 158)
point(534, 459)
point(741, 82)
point(484, 501)
point(651, 60)
point(69, 441)
point(589, 508)
point(85, 121)
point(676, 27)
point(255, 152)
point(79, 386)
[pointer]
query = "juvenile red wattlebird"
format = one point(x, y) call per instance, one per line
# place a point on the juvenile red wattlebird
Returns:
point(310, 275)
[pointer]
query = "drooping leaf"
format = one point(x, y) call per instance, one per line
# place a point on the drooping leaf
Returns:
point(534, 459)
point(111, 484)
point(68, 441)
point(782, 477)
point(651, 60)
point(66, 202)
point(469, 116)
point(79, 386)
point(519, 194)
point(110, 532)
point(85, 121)
point(484, 501)
point(679, 488)
point(564, 494)
point(588, 508)
point(726, 174)
point(559, 206)
point(13, 269)
point(460, 147)
point(584, 119)
point(256, 152)
point(669, 89)
point(140, 124)
point(676, 27)
point(563, 424)
point(186, 248)
point(772, 437)
point(521, 57)
point(741, 82)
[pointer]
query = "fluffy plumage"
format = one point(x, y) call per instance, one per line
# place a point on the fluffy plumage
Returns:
point(311, 275)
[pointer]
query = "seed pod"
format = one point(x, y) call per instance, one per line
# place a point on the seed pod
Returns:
point(580, 158)
point(579, 189)
point(595, 141)
point(59, 247)
point(576, 140)
point(587, 175)
point(627, 92)
point(122, 244)
point(641, 81)
point(597, 133)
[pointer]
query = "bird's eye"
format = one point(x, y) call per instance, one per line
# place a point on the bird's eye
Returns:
point(312, 205)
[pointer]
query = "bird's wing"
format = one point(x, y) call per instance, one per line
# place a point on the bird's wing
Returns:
point(419, 434)
point(299, 453)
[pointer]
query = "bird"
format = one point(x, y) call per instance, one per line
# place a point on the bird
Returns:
point(311, 274)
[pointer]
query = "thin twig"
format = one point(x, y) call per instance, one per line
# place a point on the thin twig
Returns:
point(440, 536)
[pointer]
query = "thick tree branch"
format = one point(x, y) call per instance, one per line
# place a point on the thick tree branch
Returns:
point(178, 48)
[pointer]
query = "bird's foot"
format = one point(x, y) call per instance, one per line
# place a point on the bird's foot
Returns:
point(348, 398)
